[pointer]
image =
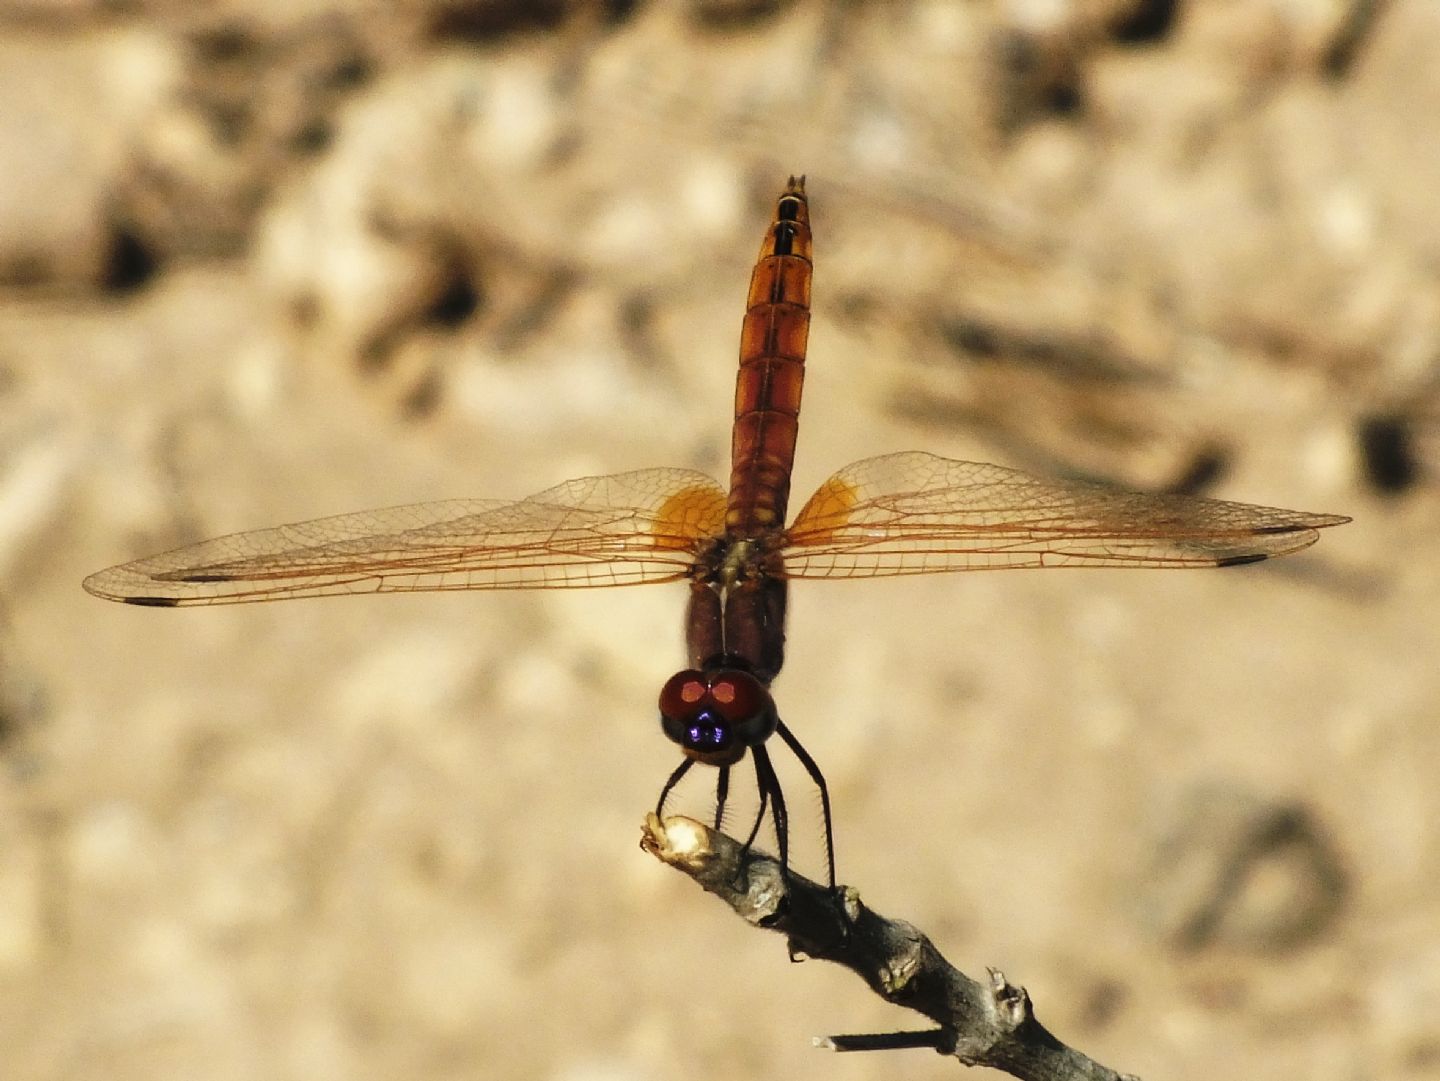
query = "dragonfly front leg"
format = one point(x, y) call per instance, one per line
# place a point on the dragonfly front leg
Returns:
point(722, 792)
point(680, 771)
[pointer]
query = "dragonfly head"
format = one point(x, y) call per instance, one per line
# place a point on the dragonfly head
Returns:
point(716, 714)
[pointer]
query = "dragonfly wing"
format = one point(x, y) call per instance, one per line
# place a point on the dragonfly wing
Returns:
point(623, 529)
point(916, 513)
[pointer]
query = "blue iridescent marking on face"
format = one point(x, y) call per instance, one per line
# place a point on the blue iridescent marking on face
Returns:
point(707, 732)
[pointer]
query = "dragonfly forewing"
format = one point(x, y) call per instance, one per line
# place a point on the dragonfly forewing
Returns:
point(917, 513)
point(624, 529)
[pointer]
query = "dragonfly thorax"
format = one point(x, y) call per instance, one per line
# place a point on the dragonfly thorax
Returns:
point(737, 559)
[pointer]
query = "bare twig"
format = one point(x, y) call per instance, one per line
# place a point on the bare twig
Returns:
point(981, 1024)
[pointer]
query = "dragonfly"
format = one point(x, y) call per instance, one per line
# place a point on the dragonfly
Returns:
point(897, 514)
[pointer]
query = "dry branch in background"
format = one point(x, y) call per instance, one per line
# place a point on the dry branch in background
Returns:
point(982, 1024)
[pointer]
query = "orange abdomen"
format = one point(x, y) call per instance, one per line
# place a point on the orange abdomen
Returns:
point(772, 371)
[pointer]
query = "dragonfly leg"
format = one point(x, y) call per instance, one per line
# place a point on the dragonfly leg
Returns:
point(768, 782)
point(680, 771)
point(759, 818)
point(819, 779)
point(722, 791)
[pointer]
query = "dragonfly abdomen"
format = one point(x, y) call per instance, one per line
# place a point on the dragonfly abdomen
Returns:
point(772, 371)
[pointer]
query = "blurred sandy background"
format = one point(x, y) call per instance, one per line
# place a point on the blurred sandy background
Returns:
point(268, 261)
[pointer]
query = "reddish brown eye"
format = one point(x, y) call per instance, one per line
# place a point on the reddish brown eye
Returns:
point(743, 701)
point(714, 716)
point(681, 692)
point(738, 694)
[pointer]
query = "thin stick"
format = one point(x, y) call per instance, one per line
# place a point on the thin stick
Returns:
point(989, 1023)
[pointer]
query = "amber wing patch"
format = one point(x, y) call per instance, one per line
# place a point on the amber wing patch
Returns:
point(691, 514)
point(827, 511)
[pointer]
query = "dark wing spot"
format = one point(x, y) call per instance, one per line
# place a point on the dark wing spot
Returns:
point(205, 578)
point(1240, 561)
point(153, 602)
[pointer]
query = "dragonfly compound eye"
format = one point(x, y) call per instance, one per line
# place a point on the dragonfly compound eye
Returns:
point(688, 717)
point(682, 694)
point(714, 717)
point(743, 701)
